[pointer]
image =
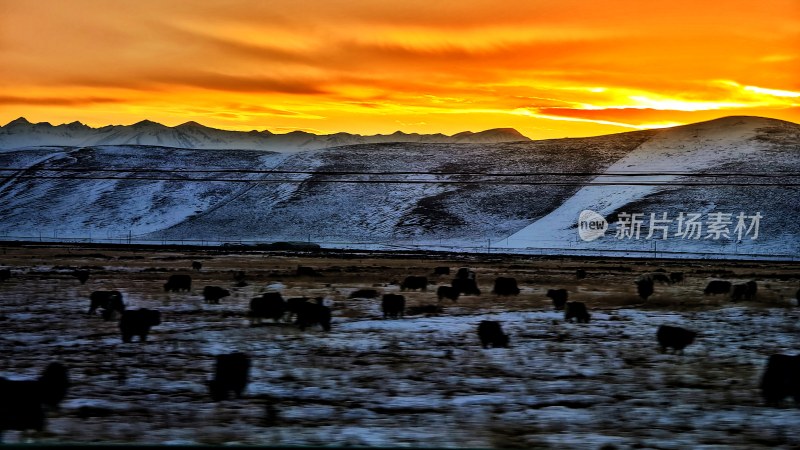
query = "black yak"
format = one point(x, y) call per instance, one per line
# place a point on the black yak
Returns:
point(393, 305)
point(781, 379)
point(450, 292)
point(673, 337)
point(23, 402)
point(717, 287)
point(213, 294)
point(231, 373)
point(137, 322)
point(109, 301)
point(644, 287)
point(466, 286)
point(414, 282)
point(364, 293)
point(197, 265)
point(676, 277)
point(269, 305)
point(491, 333)
point(505, 286)
point(441, 270)
point(177, 283)
point(81, 275)
point(576, 310)
point(559, 297)
point(315, 313)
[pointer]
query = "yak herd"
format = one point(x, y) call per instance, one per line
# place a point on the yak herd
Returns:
point(23, 403)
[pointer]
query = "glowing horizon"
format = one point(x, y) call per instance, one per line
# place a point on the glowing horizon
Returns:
point(548, 68)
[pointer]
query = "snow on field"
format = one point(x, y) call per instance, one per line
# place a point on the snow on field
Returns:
point(418, 381)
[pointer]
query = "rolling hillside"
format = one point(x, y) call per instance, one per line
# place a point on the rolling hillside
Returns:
point(512, 195)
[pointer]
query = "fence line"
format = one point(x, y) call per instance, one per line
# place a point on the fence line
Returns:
point(437, 245)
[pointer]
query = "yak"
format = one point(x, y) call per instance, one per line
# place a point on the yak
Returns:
point(110, 301)
point(269, 305)
point(781, 379)
point(644, 287)
point(717, 287)
point(505, 286)
point(137, 323)
point(364, 293)
point(491, 333)
point(677, 338)
point(466, 286)
point(559, 297)
point(316, 313)
point(414, 282)
point(676, 277)
point(177, 283)
point(393, 305)
point(576, 310)
point(450, 292)
point(441, 270)
point(213, 294)
point(231, 373)
point(23, 402)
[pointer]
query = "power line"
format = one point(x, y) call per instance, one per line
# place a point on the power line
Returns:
point(404, 181)
point(770, 174)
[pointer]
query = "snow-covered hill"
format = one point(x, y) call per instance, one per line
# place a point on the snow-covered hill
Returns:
point(735, 165)
point(515, 196)
point(21, 133)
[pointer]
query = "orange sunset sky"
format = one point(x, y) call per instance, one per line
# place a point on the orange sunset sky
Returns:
point(549, 68)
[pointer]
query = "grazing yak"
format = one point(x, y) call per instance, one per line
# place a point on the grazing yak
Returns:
point(673, 337)
point(23, 402)
point(137, 322)
point(269, 305)
point(450, 292)
point(441, 270)
point(5, 274)
point(364, 293)
point(213, 294)
point(197, 265)
point(644, 287)
point(413, 282)
point(559, 297)
point(491, 333)
point(781, 379)
point(109, 301)
point(465, 274)
point(177, 283)
point(393, 305)
point(305, 271)
point(505, 286)
point(738, 292)
point(239, 276)
point(316, 313)
point(580, 274)
point(676, 277)
point(660, 277)
point(81, 275)
point(231, 373)
point(576, 310)
point(717, 287)
point(752, 288)
point(465, 286)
